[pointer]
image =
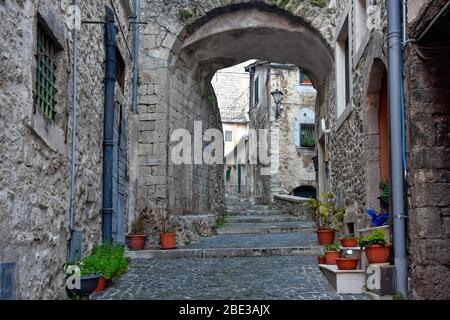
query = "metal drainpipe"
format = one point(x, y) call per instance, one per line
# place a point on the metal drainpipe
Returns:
point(395, 102)
point(108, 121)
point(136, 39)
point(72, 207)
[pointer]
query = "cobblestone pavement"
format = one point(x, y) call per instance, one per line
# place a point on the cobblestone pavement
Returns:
point(247, 278)
point(265, 278)
point(257, 240)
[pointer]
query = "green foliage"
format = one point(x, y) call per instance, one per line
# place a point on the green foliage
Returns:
point(106, 259)
point(222, 220)
point(325, 212)
point(308, 141)
point(398, 296)
point(377, 237)
point(319, 3)
point(348, 236)
point(184, 15)
point(385, 191)
point(332, 247)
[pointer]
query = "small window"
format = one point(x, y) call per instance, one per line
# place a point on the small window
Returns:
point(304, 78)
point(228, 174)
point(343, 94)
point(228, 136)
point(307, 139)
point(120, 71)
point(45, 74)
point(256, 91)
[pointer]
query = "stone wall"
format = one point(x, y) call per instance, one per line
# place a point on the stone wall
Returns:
point(291, 205)
point(428, 115)
point(35, 162)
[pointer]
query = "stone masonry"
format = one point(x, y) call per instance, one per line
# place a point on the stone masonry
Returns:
point(35, 152)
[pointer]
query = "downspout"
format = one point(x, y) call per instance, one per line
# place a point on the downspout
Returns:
point(74, 119)
point(396, 132)
point(136, 40)
point(108, 121)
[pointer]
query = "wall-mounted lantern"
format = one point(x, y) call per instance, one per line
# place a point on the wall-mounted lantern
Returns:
point(277, 95)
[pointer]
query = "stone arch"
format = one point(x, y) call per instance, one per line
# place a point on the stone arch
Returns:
point(200, 39)
point(376, 132)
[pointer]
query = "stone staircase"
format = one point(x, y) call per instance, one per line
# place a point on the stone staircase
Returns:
point(250, 230)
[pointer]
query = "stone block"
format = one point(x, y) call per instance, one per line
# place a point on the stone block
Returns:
point(426, 223)
point(345, 281)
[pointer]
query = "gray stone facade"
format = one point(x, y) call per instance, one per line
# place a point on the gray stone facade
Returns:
point(35, 162)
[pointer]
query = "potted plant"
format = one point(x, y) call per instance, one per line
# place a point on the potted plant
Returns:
point(376, 247)
point(349, 240)
point(347, 263)
point(332, 252)
point(137, 235)
point(326, 215)
point(321, 259)
point(106, 260)
point(167, 232)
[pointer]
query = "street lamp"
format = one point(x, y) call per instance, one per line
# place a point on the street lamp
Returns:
point(277, 95)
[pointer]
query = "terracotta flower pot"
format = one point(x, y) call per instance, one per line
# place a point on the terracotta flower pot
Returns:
point(347, 243)
point(101, 284)
point(347, 263)
point(331, 256)
point(377, 253)
point(137, 241)
point(321, 260)
point(326, 236)
point(168, 241)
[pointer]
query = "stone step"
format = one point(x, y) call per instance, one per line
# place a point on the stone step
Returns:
point(269, 224)
point(345, 281)
point(264, 230)
point(224, 252)
point(302, 239)
point(247, 207)
point(267, 212)
point(260, 218)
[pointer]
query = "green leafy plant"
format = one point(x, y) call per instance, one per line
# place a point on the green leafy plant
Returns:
point(222, 220)
point(332, 247)
point(106, 259)
point(377, 237)
point(325, 211)
point(348, 236)
point(385, 191)
point(184, 15)
point(308, 141)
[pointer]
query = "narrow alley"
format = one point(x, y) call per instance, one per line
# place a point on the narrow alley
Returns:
point(259, 254)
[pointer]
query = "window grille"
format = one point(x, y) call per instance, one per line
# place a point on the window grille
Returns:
point(307, 139)
point(228, 136)
point(45, 74)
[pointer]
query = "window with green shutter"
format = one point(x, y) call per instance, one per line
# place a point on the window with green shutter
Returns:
point(45, 74)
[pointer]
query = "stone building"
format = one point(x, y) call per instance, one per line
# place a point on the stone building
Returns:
point(295, 125)
point(341, 43)
point(35, 138)
point(231, 86)
point(354, 155)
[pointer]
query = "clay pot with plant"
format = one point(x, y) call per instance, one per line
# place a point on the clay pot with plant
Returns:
point(327, 216)
point(321, 259)
point(332, 253)
point(376, 247)
point(349, 241)
point(137, 235)
point(167, 231)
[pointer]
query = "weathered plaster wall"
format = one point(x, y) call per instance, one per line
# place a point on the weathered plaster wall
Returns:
point(34, 175)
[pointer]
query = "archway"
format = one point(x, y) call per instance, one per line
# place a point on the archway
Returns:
point(219, 38)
